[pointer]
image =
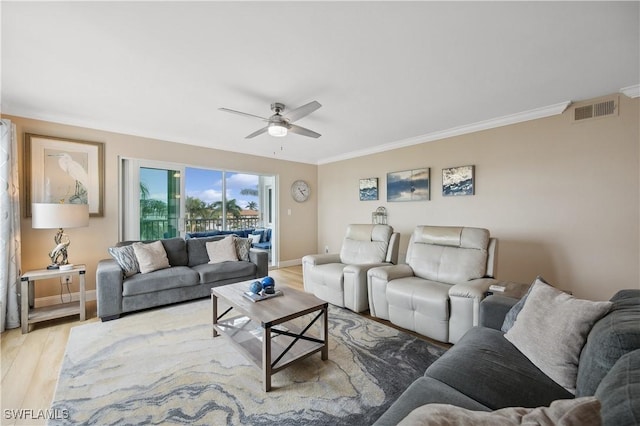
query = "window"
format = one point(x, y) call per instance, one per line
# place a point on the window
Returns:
point(214, 200)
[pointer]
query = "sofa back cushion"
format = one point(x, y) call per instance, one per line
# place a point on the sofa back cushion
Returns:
point(197, 249)
point(175, 248)
point(619, 392)
point(614, 335)
point(448, 254)
point(365, 244)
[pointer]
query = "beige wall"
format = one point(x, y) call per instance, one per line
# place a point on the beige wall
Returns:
point(562, 198)
point(298, 230)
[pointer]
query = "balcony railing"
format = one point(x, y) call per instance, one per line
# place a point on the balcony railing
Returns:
point(153, 229)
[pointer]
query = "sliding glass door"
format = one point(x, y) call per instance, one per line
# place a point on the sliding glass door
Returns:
point(164, 200)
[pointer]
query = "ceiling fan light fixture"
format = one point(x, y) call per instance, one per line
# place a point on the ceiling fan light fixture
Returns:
point(277, 129)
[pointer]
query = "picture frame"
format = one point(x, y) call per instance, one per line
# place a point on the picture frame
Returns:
point(368, 189)
point(409, 185)
point(458, 181)
point(64, 170)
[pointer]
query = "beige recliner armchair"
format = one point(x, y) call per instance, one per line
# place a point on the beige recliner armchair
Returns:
point(438, 292)
point(341, 279)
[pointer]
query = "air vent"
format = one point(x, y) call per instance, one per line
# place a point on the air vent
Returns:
point(596, 110)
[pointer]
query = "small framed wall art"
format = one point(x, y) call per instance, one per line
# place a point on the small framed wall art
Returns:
point(458, 181)
point(408, 185)
point(368, 189)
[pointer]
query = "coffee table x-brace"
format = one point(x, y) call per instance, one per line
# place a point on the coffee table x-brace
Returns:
point(265, 332)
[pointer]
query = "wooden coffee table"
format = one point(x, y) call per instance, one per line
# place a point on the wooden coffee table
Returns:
point(265, 332)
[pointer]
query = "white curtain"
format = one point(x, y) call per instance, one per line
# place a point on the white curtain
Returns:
point(9, 227)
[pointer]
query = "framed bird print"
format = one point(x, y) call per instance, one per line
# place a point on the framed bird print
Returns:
point(59, 170)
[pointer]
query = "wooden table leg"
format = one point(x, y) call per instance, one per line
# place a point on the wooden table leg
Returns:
point(83, 300)
point(24, 305)
point(266, 359)
point(324, 334)
point(214, 311)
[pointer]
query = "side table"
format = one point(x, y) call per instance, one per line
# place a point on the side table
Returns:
point(30, 315)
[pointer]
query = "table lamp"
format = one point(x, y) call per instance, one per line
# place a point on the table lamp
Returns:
point(52, 216)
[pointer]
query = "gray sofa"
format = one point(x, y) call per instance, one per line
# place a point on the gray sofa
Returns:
point(485, 372)
point(189, 277)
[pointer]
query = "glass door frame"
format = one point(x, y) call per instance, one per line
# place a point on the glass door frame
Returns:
point(129, 190)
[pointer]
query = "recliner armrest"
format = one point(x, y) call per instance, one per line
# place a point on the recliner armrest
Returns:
point(377, 280)
point(356, 295)
point(474, 288)
point(391, 272)
point(321, 259)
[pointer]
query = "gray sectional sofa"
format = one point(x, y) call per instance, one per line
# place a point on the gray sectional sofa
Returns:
point(189, 277)
point(485, 372)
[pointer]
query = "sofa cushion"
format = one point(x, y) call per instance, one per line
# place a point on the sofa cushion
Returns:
point(420, 305)
point(564, 412)
point(126, 259)
point(613, 336)
point(487, 368)
point(551, 330)
point(222, 251)
point(151, 256)
point(176, 249)
point(619, 392)
point(177, 276)
point(425, 390)
point(209, 273)
point(197, 249)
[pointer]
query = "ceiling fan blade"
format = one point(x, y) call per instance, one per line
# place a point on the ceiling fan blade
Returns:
point(304, 110)
point(233, 111)
point(302, 131)
point(257, 132)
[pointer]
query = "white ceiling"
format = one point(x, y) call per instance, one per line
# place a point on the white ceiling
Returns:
point(387, 73)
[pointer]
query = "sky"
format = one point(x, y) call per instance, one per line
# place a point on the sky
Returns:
point(203, 184)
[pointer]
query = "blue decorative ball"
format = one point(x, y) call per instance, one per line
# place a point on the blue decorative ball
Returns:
point(256, 287)
point(268, 282)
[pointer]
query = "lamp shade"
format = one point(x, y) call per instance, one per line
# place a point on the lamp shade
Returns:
point(52, 216)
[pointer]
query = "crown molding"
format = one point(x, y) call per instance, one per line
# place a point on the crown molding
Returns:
point(631, 91)
point(506, 120)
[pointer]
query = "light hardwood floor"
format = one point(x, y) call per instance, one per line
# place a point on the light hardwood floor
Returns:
point(31, 362)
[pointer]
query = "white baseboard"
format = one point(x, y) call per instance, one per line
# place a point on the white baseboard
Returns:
point(286, 263)
point(55, 300)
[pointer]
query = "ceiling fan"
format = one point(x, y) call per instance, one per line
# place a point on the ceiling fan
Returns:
point(279, 124)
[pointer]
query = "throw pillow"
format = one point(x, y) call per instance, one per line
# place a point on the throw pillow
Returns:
point(223, 250)
point(260, 234)
point(579, 411)
point(243, 246)
point(126, 259)
point(151, 257)
point(510, 318)
point(255, 238)
point(551, 329)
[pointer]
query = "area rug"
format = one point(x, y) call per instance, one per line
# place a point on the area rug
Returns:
point(163, 367)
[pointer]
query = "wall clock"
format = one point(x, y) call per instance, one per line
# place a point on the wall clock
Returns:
point(300, 191)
